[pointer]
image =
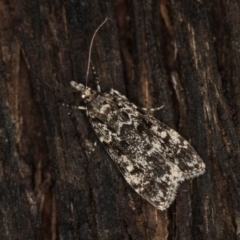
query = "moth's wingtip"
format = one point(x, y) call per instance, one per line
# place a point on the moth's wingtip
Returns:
point(201, 169)
point(163, 206)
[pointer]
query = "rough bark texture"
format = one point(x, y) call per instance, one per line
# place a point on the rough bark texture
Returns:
point(183, 54)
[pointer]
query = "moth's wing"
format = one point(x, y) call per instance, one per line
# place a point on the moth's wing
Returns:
point(153, 158)
point(178, 150)
point(174, 146)
point(156, 182)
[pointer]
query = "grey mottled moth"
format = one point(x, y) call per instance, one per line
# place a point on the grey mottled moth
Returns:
point(153, 158)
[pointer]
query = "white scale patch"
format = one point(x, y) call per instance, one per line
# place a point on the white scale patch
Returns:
point(163, 134)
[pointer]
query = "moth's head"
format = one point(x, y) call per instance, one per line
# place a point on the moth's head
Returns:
point(86, 92)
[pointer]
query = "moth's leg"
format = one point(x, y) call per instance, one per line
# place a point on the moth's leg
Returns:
point(89, 146)
point(75, 107)
point(80, 108)
point(96, 78)
point(117, 93)
point(151, 109)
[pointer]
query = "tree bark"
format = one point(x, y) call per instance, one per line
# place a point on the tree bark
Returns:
point(181, 54)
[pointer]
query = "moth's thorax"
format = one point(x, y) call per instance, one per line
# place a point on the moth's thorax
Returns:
point(101, 104)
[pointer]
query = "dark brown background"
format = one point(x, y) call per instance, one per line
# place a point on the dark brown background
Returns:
point(180, 53)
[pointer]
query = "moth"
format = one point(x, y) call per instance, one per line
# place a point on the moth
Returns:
point(153, 158)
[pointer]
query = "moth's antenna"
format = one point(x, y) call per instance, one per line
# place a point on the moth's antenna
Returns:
point(90, 48)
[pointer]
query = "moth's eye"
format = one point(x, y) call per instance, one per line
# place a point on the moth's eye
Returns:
point(83, 96)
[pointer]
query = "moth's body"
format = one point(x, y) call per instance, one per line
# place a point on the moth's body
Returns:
point(152, 157)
